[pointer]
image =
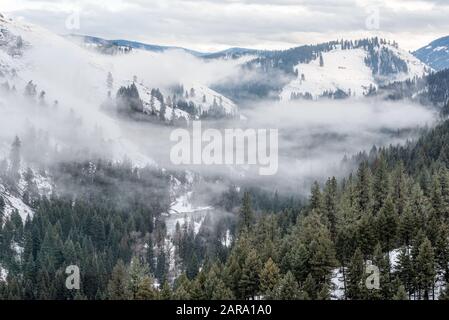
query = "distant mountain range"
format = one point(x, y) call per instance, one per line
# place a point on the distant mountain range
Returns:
point(436, 54)
point(228, 53)
point(128, 43)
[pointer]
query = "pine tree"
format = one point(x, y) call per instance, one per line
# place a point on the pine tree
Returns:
point(145, 289)
point(173, 116)
point(401, 294)
point(407, 225)
point(109, 81)
point(387, 224)
point(152, 106)
point(2, 212)
point(214, 286)
point(287, 288)
point(400, 188)
point(321, 252)
point(137, 272)
point(30, 89)
point(249, 281)
point(381, 186)
point(269, 277)
point(405, 270)
point(381, 261)
point(15, 158)
point(437, 198)
point(356, 272)
point(118, 284)
point(444, 294)
point(166, 292)
point(310, 287)
point(296, 260)
point(442, 250)
point(324, 293)
point(363, 189)
point(246, 213)
point(162, 112)
point(233, 271)
point(330, 204)
point(316, 198)
point(426, 268)
point(444, 183)
point(366, 235)
point(150, 255)
point(182, 289)
point(161, 265)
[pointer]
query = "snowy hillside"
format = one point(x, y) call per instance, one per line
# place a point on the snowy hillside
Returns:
point(346, 72)
point(70, 81)
point(51, 62)
point(436, 54)
point(205, 98)
point(30, 53)
point(202, 98)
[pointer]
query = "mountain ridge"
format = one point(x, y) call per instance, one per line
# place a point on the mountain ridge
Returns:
point(435, 54)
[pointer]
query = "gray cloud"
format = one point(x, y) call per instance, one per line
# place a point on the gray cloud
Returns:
point(215, 24)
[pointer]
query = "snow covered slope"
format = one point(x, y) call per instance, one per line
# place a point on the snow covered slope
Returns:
point(205, 98)
point(67, 73)
point(201, 96)
point(346, 72)
point(76, 78)
point(436, 54)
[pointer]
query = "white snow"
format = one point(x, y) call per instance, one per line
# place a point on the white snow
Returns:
point(394, 255)
point(343, 69)
point(52, 62)
point(184, 205)
point(227, 239)
point(145, 95)
point(14, 202)
point(3, 274)
point(416, 68)
point(202, 91)
point(440, 48)
point(182, 210)
point(338, 290)
point(346, 70)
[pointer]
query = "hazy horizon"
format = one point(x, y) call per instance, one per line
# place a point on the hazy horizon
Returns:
point(209, 26)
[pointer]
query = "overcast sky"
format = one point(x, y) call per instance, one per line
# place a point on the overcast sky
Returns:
point(209, 25)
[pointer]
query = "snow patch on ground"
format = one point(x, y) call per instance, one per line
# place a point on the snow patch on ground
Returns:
point(338, 290)
point(227, 239)
point(182, 209)
point(440, 48)
point(3, 274)
point(394, 258)
point(13, 202)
